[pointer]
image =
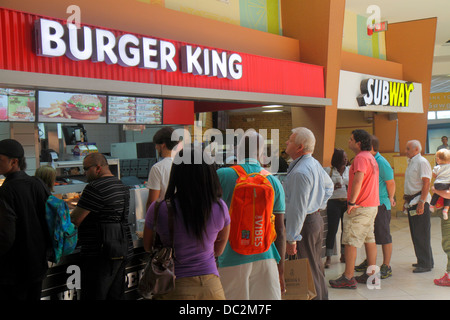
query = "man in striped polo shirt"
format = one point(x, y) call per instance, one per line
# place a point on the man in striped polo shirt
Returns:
point(104, 234)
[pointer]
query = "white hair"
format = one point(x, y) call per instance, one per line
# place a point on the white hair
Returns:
point(253, 142)
point(305, 137)
point(416, 144)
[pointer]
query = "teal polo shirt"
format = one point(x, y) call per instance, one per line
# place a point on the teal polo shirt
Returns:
point(227, 178)
point(386, 174)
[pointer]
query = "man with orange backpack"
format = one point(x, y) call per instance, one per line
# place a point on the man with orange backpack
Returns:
point(251, 266)
point(308, 188)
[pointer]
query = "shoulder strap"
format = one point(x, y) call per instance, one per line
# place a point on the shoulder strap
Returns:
point(239, 170)
point(331, 171)
point(170, 213)
point(155, 221)
point(46, 190)
point(170, 219)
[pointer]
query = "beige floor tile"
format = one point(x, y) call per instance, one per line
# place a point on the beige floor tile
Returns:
point(404, 284)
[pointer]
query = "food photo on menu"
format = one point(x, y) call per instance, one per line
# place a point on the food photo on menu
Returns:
point(134, 110)
point(3, 104)
point(17, 105)
point(71, 107)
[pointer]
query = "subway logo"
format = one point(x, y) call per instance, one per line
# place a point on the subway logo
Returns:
point(384, 93)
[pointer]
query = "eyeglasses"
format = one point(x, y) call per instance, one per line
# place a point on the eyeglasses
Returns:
point(87, 168)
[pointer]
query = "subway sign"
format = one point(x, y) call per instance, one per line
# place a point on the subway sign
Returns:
point(385, 93)
point(52, 39)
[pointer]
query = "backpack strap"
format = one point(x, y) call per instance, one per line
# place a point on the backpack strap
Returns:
point(46, 190)
point(239, 170)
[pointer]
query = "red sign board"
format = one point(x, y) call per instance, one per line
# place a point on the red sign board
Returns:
point(259, 74)
point(377, 27)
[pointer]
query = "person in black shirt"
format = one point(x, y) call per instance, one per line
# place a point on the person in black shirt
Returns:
point(24, 235)
point(104, 234)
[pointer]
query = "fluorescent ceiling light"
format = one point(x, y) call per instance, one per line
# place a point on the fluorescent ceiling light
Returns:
point(273, 111)
point(273, 106)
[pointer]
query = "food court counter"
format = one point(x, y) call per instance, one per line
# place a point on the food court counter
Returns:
point(60, 282)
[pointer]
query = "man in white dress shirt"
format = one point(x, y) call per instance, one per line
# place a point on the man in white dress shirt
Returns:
point(417, 198)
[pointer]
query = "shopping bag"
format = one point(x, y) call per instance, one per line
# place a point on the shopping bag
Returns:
point(299, 281)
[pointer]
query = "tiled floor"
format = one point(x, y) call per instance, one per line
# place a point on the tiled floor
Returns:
point(403, 285)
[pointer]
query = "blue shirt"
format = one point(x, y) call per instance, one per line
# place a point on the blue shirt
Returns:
point(386, 174)
point(227, 178)
point(307, 187)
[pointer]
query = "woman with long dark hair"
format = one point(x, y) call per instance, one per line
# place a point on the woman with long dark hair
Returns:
point(201, 226)
point(337, 204)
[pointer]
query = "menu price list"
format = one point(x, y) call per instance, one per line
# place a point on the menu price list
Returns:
point(133, 110)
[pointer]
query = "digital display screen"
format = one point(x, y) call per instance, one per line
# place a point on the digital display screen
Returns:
point(65, 107)
point(134, 110)
point(17, 105)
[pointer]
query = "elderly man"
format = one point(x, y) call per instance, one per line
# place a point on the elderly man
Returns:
point(308, 188)
point(417, 198)
point(104, 234)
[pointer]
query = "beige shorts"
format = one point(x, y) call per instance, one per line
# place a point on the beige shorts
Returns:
point(359, 226)
point(206, 287)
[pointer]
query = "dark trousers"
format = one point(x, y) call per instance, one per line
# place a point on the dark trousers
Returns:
point(102, 279)
point(27, 292)
point(420, 228)
point(310, 247)
point(335, 215)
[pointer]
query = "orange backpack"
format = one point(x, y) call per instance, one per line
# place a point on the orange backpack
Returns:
point(252, 228)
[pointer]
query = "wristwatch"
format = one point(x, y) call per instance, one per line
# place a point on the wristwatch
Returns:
point(292, 242)
point(420, 200)
point(350, 204)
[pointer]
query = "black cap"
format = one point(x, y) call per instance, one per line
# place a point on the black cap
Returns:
point(11, 148)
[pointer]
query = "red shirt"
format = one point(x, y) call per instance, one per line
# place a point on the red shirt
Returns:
point(369, 194)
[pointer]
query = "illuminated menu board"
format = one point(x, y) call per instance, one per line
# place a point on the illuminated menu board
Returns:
point(134, 110)
point(17, 105)
point(65, 107)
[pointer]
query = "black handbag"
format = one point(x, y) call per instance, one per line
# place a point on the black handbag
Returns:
point(159, 274)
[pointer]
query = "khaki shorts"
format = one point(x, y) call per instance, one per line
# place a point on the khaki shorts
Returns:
point(359, 226)
point(206, 287)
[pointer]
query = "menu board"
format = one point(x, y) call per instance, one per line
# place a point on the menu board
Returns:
point(65, 107)
point(17, 105)
point(134, 110)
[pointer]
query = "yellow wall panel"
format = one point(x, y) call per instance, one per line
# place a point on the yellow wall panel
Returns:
point(216, 10)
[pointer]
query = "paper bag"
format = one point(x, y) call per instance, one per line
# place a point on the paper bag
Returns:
point(299, 280)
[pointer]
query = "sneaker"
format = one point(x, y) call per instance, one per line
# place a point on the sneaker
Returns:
point(363, 278)
point(444, 281)
point(385, 271)
point(343, 283)
point(445, 214)
point(362, 267)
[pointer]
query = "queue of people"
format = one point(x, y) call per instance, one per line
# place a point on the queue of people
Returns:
point(359, 196)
